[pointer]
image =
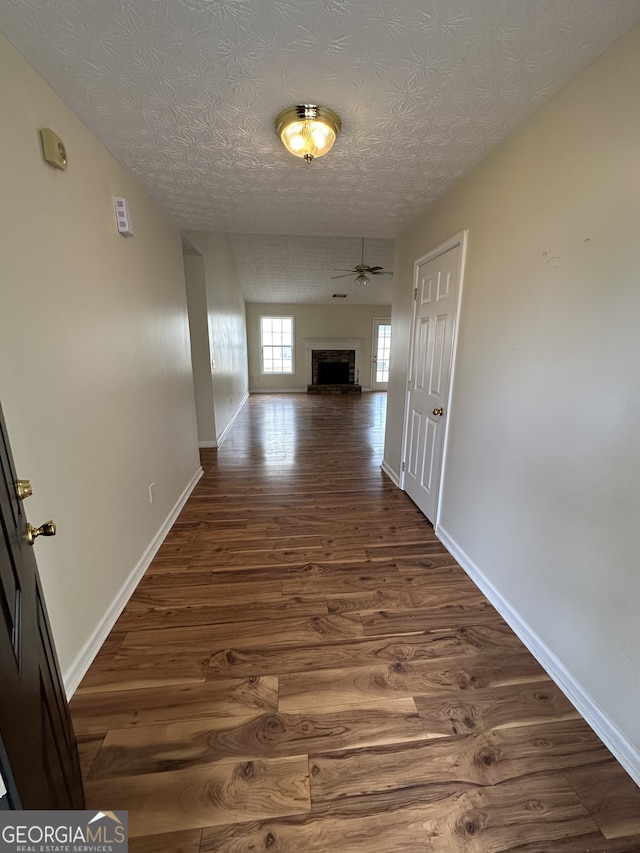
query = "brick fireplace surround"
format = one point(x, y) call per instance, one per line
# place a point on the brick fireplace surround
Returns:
point(332, 366)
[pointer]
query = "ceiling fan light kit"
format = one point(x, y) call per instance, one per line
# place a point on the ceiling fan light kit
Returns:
point(308, 131)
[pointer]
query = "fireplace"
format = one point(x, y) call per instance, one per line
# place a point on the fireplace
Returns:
point(332, 366)
point(332, 372)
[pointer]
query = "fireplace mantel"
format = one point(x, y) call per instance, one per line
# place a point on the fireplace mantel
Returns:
point(333, 343)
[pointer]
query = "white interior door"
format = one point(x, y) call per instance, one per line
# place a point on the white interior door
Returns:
point(381, 352)
point(436, 295)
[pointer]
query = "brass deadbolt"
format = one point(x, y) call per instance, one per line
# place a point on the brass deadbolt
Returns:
point(23, 489)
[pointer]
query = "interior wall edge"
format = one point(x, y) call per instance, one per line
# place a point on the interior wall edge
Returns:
point(391, 474)
point(85, 657)
point(606, 729)
point(225, 431)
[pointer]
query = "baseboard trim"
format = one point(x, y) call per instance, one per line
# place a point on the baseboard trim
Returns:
point(596, 717)
point(207, 444)
point(292, 390)
point(391, 474)
point(83, 660)
point(225, 431)
point(278, 390)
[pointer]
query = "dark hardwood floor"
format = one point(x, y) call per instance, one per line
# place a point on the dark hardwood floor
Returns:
point(305, 668)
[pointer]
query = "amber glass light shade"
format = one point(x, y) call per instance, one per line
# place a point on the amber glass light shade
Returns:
point(308, 131)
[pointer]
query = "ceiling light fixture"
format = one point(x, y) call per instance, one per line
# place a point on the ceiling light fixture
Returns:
point(362, 278)
point(308, 131)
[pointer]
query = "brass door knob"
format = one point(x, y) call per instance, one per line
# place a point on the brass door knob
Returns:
point(439, 411)
point(46, 529)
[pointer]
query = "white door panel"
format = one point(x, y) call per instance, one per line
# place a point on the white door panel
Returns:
point(436, 286)
point(414, 444)
point(430, 439)
point(438, 358)
point(422, 361)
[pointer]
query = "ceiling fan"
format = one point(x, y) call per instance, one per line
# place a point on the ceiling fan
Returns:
point(361, 271)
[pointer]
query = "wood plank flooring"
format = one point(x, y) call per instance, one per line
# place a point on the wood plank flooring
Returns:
point(305, 668)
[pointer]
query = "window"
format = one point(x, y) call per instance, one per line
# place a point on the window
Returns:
point(276, 340)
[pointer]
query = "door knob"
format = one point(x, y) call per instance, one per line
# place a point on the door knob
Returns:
point(46, 529)
point(438, 411)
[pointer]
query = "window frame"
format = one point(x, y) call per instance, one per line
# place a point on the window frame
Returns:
point(378, 324)
point(264, 372)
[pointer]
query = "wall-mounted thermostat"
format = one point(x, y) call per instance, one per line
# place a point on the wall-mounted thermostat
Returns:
point(123, 217)
point(53, 149)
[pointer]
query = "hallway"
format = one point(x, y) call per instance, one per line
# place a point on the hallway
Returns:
point(305, 668)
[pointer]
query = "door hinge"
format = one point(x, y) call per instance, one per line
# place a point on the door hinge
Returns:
point(403, 466)
point(409, 385)
point(415, 292)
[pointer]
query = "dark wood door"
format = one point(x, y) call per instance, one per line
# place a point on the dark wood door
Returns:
point(39, 754)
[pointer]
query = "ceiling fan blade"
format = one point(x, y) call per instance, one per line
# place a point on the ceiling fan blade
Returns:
point(361, 271)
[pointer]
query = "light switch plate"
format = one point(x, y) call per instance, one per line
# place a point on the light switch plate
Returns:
point(123, 217)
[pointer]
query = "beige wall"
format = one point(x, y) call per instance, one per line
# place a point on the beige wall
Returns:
point(95, 370)
point(312, 321)
point(227, 328)
point(540, 494)
point(195, 280)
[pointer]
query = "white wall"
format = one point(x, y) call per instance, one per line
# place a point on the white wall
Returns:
point(95, 370)
point(227, 328)
point(312, 321)
point(540, 495)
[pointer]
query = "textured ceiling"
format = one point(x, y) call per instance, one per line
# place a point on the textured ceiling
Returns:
point(276, 268)
point(184, 93)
